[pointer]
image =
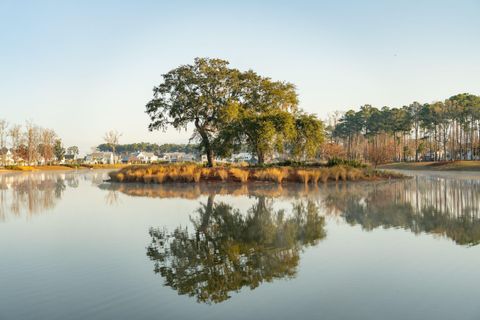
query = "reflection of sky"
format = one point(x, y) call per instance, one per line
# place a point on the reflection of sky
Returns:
point(86, 259)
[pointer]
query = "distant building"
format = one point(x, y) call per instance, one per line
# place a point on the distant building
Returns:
point(7, 156)
point(140, 157)
point(178, 157)
point(242, 157)
point(69, 158)
point(100, 158)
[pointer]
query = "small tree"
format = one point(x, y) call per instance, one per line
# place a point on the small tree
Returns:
point(32, 141)
point(3, 140)
point(73, 150)
point(59, 150)
point(309, 136)
point(47, 144)
point(112, 138)
point(332, 150)
point(16, 140)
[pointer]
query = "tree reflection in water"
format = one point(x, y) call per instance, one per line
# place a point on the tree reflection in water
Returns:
point(29, 194)
point(440, 206)
point(229, 250)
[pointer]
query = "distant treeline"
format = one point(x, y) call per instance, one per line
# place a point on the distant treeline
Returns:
point(31, 144)
point(150, 147)
point(441, 130)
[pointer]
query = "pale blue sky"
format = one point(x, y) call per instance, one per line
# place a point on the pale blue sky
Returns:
point(84, 67)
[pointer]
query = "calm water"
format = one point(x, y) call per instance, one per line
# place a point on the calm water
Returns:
point(75, 247)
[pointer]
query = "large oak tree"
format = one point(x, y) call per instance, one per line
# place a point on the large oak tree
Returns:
point(195, 94)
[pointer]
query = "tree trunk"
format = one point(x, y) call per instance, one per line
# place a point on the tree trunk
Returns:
point(416, 142)
point(205, 143)
point(260, 157)
point(210, 159)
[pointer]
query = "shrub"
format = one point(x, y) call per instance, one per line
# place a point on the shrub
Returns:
point(345, 162)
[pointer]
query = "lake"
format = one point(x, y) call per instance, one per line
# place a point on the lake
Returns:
point(75, 247)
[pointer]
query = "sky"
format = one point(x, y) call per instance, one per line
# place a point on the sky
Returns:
point(85, 67)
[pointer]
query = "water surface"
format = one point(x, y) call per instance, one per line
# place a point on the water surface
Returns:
point(75, 247)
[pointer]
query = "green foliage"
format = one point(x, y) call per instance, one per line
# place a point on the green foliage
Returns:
point(195, 94)
point(345, 162)
point(73, 150)
point(231, 110)
point(309, 136)
point(450, 125)
point(59, 150)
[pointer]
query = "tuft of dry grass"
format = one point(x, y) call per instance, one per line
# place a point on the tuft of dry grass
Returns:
point(315, 176)
point(240, 174)
point(303, 175)
point(271, 174)
point(222, 174)
point(148, 178)
point(159, 177)
point(338, 172)
point(354, 174)
point(324, 174)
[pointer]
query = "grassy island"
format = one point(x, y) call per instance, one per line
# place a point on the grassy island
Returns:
point(193, 173)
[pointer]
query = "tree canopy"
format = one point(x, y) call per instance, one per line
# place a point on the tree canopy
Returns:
point(230, 109)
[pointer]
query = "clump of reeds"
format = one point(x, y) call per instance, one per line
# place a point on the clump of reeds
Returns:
point(315, 176)
point(271, 174)
point(159, 177)
point(148, 178)
point(324, 174)
point(338, 172)
point(240, 174)
point(195, 173)
point(354, 174)
point(303, 175)
point(222, 174)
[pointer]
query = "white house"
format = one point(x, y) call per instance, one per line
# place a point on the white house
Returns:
point(144, 157)
point(8, 157)
point(178, 157)
point(100, 158)
point(242, 157)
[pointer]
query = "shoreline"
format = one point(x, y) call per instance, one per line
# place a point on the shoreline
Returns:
point(195, 174)
point(26, 169)
point(450, 166)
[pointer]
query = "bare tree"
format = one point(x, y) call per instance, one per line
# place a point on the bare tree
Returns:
point(32, 140)
point(111, 138)
point(3, 140)
point(16, 140)
point(47, 142)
